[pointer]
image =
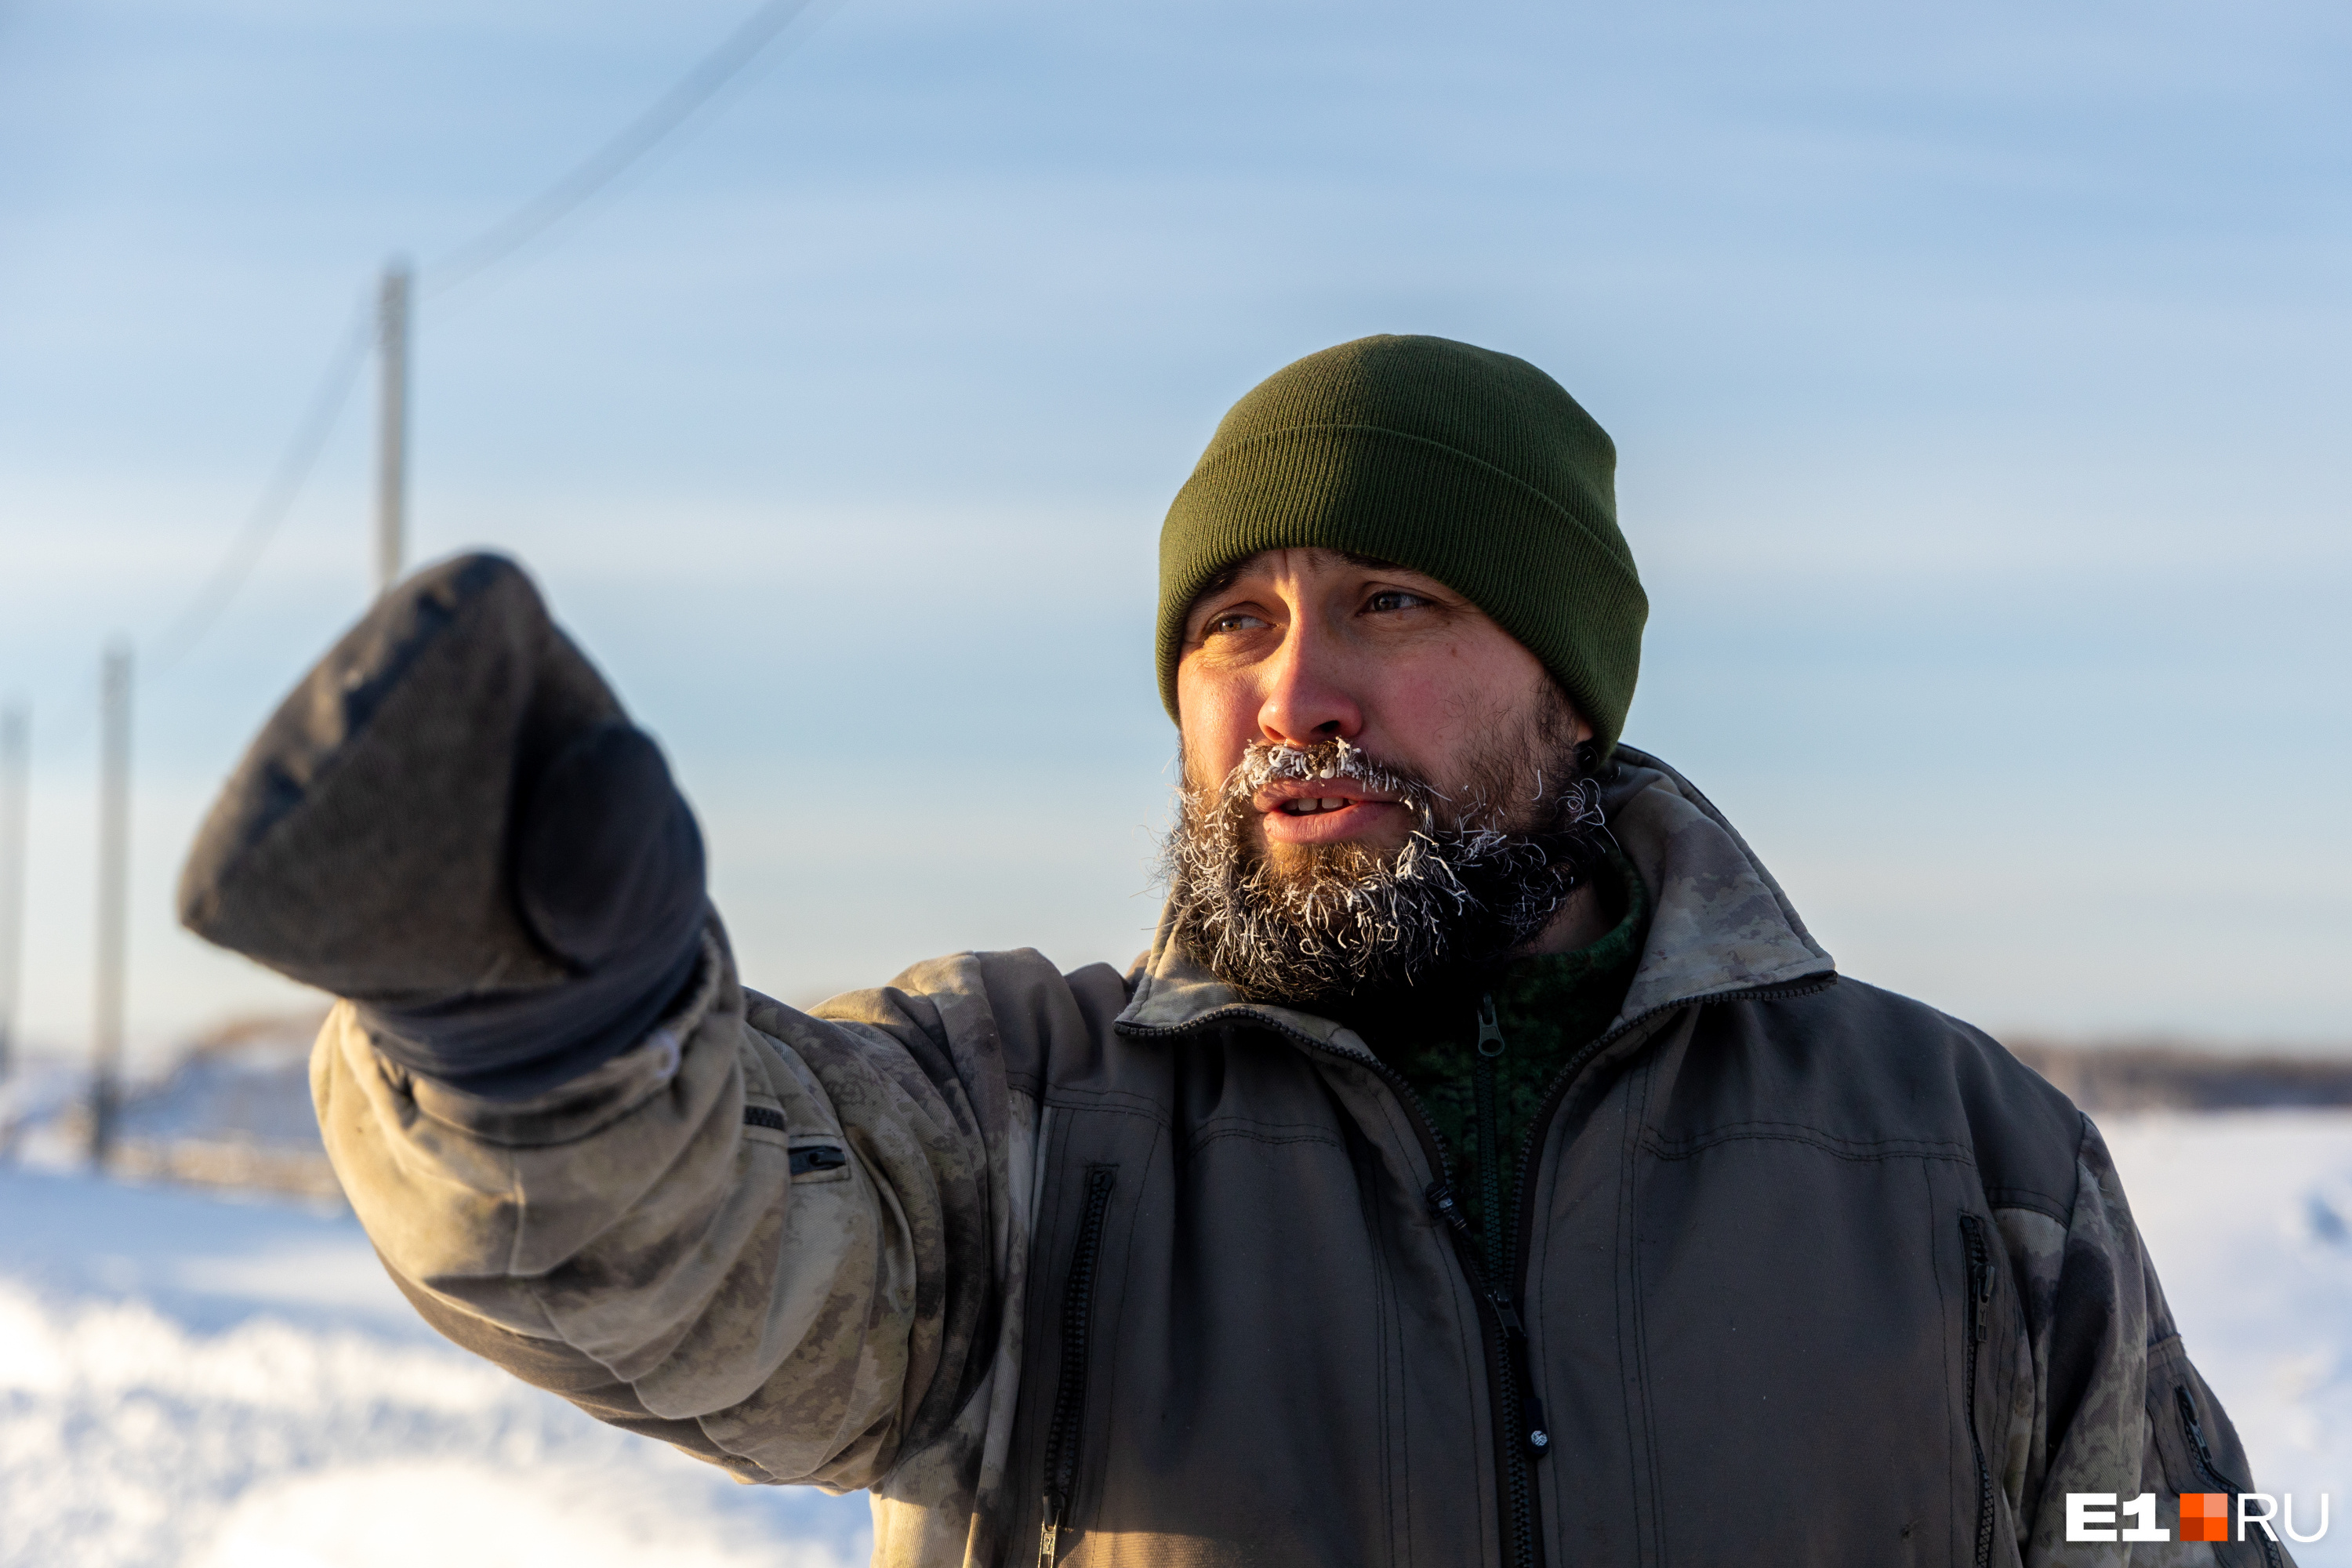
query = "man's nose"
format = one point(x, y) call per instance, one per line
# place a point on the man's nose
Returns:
point(1307, 695)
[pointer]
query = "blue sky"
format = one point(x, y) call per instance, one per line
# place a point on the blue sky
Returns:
point(1979, 379)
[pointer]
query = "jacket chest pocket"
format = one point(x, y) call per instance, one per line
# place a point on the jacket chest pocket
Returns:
point(1212, 1365)
point(1808, 1365)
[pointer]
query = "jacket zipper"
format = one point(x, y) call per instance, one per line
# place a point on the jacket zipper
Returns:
point(1501, 1333)
point(1070, 1385)
point(1505, 1363)
point(1514, 1389)
point(2194, 1430)
point(1979, 1286)
point(1483, 1070)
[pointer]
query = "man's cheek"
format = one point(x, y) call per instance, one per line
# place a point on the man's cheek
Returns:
point(1195, 760)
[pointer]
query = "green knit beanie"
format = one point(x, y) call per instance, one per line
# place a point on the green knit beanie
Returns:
point(1468, 465)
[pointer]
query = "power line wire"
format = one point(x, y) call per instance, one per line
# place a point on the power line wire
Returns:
point(600, 168)
point(461, 265)
point(277, 498)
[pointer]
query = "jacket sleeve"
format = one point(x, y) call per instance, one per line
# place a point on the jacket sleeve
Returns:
point(2105, 1398)
point(784, 1242)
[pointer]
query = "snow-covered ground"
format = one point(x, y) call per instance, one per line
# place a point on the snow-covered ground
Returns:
point(187, 1382)
point(2248, 1217)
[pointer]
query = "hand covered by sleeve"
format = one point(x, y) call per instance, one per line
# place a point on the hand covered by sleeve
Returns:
point(451, 822)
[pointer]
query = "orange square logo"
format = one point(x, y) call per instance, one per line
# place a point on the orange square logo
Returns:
point(2204, 1516)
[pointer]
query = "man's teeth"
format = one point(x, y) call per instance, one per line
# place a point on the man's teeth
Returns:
point(1310, 807)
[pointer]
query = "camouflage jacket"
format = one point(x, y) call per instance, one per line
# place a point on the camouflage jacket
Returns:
point(1095, 1268)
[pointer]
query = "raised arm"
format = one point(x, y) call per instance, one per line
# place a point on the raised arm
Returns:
point(781, 1242)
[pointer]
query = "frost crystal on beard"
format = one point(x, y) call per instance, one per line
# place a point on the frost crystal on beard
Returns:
point(1466, 888)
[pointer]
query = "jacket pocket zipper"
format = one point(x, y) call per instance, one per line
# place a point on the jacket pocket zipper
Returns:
point(1070, 1387)
point(1979, 1287)
point(2194, 1430)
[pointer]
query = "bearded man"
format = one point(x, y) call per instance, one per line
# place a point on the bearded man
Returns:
point(1483, 1167)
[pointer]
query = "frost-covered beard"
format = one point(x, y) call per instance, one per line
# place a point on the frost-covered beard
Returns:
point(1474, 881)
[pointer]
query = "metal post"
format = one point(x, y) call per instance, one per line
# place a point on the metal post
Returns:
point(114, 898)
point(392, 427)
point(16, 760)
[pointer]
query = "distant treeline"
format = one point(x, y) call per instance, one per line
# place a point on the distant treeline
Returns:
point(2133, 1076)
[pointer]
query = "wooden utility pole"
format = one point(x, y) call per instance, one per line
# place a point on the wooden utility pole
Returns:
point(392, 427)
point(16, 761)
point(113, 897)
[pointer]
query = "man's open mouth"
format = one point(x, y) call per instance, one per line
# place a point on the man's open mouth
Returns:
point(1302, 797)
point(1343, 791)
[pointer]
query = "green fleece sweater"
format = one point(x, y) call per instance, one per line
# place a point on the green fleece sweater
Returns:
point(1547, 1009)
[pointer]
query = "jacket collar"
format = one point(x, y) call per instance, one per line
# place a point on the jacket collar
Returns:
point(1718, 922)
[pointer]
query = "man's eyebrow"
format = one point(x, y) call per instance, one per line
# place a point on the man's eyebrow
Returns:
point(1224, 579)
point(1232, 573)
